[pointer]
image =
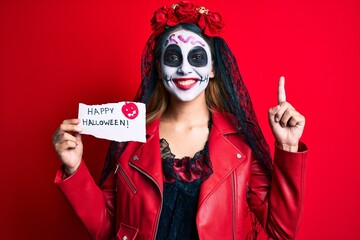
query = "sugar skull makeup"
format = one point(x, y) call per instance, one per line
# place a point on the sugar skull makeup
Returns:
point(186, 64)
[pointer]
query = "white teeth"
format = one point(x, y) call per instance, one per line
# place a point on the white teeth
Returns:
point(186, 83)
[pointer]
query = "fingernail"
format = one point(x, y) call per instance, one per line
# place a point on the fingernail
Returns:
point(276, 119)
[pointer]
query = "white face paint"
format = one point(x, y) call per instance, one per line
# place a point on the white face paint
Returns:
point(186, 64)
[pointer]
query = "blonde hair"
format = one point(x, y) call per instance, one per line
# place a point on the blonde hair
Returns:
point(158, 103)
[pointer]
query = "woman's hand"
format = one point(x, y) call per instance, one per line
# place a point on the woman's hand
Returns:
point(286, 123)
point(68, 145)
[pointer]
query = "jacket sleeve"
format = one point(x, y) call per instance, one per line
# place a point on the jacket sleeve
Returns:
point(94, 206)
point(277, 203)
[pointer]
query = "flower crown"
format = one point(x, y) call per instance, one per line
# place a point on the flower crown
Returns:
point(185, 12)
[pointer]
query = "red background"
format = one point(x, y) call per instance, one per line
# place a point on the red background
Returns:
point(55, 54)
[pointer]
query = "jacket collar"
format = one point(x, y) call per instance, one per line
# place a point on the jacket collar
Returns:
point(152, 127)
point(146, 157)
point(224, 155)
point(224, 122)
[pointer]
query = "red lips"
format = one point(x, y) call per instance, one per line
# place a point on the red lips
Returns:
point(185, 83)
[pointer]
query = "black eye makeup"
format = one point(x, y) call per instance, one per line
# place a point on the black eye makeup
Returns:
point(173, 56)
point(197, 57)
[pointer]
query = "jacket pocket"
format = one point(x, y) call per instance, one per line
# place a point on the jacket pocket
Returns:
point(126, 232)
point(125, 178)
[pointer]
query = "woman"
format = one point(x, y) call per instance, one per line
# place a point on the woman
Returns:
point(213, 162)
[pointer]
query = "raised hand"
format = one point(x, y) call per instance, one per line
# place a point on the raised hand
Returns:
point(286, 123)
point(68, 145)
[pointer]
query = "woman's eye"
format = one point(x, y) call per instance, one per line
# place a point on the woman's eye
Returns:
point(173, 58)
point(198, 57)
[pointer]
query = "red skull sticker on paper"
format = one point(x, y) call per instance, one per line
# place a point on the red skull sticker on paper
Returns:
point(130, 110)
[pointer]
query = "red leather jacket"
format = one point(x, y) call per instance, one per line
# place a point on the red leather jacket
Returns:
point(128, 204)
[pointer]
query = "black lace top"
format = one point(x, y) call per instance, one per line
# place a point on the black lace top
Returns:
point(183, 178)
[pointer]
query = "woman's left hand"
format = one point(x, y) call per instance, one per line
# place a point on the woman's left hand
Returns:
point(286, 123)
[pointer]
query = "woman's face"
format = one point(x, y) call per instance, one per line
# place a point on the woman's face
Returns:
point(186, 64)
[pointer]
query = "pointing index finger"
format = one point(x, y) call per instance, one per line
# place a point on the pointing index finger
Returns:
point(281, 90)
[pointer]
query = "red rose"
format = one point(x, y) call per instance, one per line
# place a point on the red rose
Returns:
point(184, 7)
point(172, 18)
point(211, 24)
point(159, 19)
point(186, 12)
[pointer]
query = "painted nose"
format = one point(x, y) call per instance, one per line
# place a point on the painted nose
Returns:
point(185, 68)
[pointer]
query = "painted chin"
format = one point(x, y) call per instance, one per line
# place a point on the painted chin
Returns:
point(185, 83)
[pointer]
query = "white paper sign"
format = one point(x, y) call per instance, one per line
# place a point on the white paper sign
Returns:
point(123, 121)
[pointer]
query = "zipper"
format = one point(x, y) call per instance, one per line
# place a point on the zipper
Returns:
point(158, 216)
point(127, 180)
point(233, 204)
